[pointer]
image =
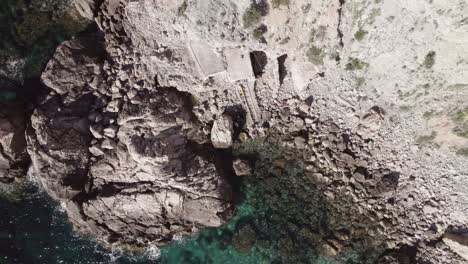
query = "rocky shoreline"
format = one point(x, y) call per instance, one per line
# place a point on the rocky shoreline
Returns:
point(151, 123)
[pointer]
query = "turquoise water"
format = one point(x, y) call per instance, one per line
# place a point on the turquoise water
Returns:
point(281, 218)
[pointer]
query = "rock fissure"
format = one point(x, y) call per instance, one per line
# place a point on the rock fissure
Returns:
point(338, 27)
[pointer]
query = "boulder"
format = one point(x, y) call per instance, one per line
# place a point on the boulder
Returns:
point(222, 132)
point(86, 8)
point(457, 243)
point(13, 157)
point(70, 70)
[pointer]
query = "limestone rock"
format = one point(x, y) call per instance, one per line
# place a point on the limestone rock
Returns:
point(58, 143)
point(330, 248)
point(174, 189)
point(171, 68)
point(86, 8)
point(222, 132)
point(13, 158)
point(75, 61)
point(457, 243)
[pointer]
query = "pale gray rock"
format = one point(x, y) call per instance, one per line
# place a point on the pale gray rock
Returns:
point(95, 151)
point(222, 132)
point(76, 62)
point(152, 185)
point(86, 8)
point(110, 132)
point(96, 131)
point(457, 243)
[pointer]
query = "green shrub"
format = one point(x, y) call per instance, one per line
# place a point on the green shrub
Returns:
point(182, 9)
point(254, 13)
point(360, 81)
point(315, 55)
point(425, 140)
point(463, 152)
point(429, 60)
point(360, 34)
point(356, 64)
point(278, 3)
point(260, 31)
point(460, 118)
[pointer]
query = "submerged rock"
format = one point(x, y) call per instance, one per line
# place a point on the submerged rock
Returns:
point(222, 132)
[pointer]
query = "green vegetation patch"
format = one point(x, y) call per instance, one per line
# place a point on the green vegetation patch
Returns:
point(429, 60)
point(426, 140)
point(360, 81)
point(260, 31)
point(278, 3)
point(356, 64)
point(360, 34)
point(182, 8)
point(315, 55)
point(428, 114)
point(253, 15)
point(463, 152)
point(460, 118)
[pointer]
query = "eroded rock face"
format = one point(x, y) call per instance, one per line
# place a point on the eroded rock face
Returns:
point(458, 243)
point(58, 141)
point(129, 170)
point(222, 132)
point(79, 64)
point(127, 137)
point(13, 158)
point(154, 169)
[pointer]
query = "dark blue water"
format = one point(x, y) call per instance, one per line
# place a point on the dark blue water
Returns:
point(33, 229)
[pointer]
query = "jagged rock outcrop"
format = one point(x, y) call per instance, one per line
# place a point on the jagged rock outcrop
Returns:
point(86, 8)
point(13, 157)
point(58, 141)
point(458, 243)
point(222, 132)
point(131, 136)
point(155, 169)
point(129, 170)
point(75, 69)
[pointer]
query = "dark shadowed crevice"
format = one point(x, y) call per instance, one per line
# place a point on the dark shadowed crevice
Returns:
point(282, 68)
point(259, 61)
point(338, 28)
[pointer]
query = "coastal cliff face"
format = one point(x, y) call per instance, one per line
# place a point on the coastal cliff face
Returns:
point(343, 121)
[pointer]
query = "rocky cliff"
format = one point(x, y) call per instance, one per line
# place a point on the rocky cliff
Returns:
point(136, 135)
